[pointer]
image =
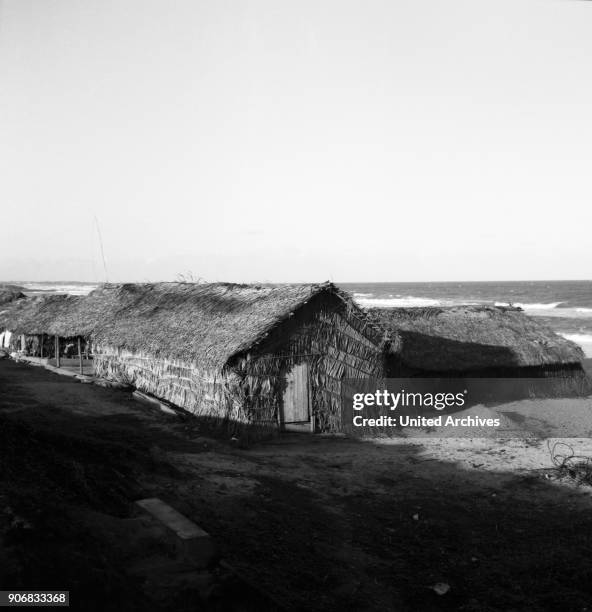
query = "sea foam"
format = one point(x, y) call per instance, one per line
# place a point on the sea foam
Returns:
point(49, 288)
point(402, 302)
point(535, 306)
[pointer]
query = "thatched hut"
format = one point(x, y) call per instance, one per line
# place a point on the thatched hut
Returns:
point(474, 340)
point(30, 324)
point(266, 356)
point(46, 326)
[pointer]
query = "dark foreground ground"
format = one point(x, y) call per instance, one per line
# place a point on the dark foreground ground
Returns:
point(319, 524)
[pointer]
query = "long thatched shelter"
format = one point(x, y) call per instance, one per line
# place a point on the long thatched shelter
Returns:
point(270, 356)
point(31, 323)
point(48, 325)
point(476, 340)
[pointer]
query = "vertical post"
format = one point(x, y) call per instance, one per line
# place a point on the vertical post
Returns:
point(80, 356)
point(41, 345)
point(310, 406)
point(57, 351)
point(23, 344)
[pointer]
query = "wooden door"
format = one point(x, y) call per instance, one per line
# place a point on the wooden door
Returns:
point(296, 407)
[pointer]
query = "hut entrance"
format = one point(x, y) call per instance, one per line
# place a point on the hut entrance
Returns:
point(295, 414)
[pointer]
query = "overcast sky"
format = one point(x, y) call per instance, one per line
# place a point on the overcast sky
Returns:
point(296, 141)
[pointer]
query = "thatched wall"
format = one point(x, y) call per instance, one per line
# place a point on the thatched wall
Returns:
point(204, 393)
point(333, 340)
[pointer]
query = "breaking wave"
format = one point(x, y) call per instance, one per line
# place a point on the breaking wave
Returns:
point(397, 302)
point(53, 288)
point(535, 306)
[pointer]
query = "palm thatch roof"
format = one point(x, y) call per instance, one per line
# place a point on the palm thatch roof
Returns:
point(85, 314)
point(464, 338)
point(206, 323)
point(66, 315)
point(35, 315)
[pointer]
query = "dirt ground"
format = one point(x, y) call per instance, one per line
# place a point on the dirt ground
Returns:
point(318, 523)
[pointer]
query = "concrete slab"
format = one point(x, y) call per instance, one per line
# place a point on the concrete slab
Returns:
point(73, 365)
point(61, 371)
point(192, 543)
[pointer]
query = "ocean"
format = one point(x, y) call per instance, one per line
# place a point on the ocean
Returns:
point(566, 306)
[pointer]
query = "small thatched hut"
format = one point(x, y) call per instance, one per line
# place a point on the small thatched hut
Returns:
point(270, 356)
point(30, 324)
point(43, 324)
point(474, 340)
